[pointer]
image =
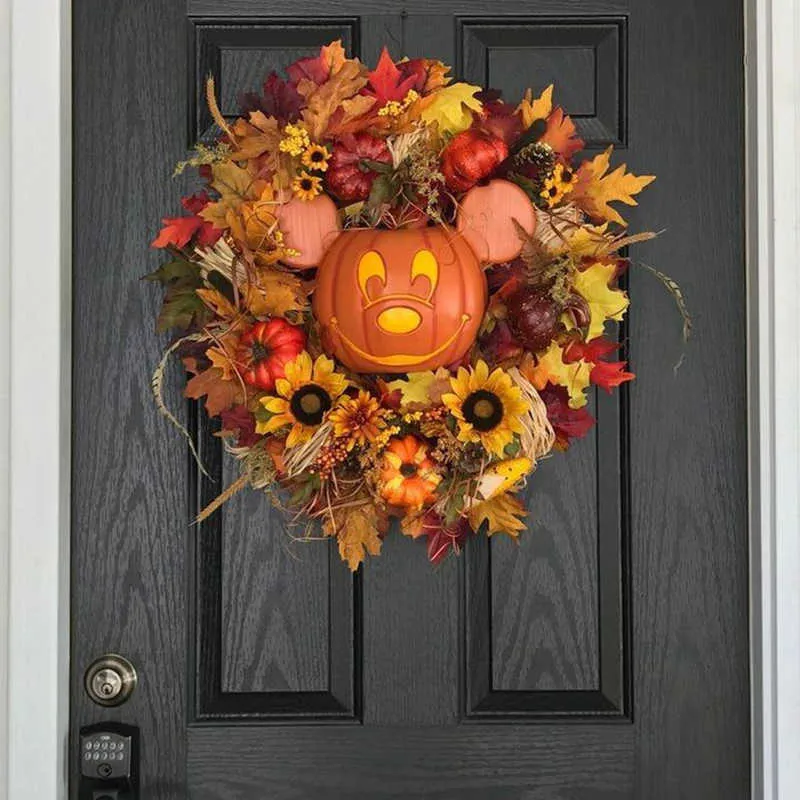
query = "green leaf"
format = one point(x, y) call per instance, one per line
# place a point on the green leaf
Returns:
point(177, 270)
point(182, 308)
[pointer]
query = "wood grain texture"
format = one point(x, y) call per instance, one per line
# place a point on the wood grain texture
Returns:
point(129, 518)
point(275, 608)
point(474, 762)
point(688, 429)
point(544, 623)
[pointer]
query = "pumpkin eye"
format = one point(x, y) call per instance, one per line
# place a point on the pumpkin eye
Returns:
point(425, 263)
point(370, 266)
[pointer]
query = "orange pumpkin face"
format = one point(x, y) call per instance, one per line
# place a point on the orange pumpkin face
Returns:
point(399, 300)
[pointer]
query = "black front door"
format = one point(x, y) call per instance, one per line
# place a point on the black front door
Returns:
point(606, 656)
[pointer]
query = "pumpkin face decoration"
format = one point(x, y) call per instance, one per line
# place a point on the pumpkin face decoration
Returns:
point(410, 299)
point(399, 300)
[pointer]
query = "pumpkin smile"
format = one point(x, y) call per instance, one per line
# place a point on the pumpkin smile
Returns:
point(399, 359)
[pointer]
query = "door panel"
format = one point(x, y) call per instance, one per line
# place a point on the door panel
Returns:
point(606, 655)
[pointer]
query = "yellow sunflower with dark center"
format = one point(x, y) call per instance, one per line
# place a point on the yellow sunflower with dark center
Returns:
point(559, 184)
point(358, 419)
point(488, 407)
point(316, 157)
point(305, 396)
point(306, 187)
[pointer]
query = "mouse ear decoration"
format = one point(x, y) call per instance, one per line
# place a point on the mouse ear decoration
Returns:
point(486, 220)
point(309, 228)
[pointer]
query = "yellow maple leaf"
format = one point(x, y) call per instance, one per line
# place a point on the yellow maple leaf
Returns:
point(503, 513)
point(586, 240)
point(221, 360)
point(235, 185)
point(594, 189)
point(275, 293)
point(451, 107)
point(356, 531)
point(422, 387)
point(530, 110)
point(551, 368)
point(605, 303)
point(218, 303)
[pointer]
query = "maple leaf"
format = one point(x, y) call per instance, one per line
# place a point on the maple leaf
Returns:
point(552, 368)
point(593, 350)
point(256, 135)
point(275, 294)
point(608, 374)
point(386, 82)
point(351, 117)
point(238, 421)
point(503, 513)
point(176, 231)
point(429, 74)
point(605, 303)
point(568, 423)
point(561, 135)
point(323, 101)
point(278, 99)
point(594, 189)
point(530, 110)
point(356, 531)
point(451, 107)
point(235, 185)
point(220, 394)
point(318, 69)
point(218, 303)
point(424, 388)
point(182, 308)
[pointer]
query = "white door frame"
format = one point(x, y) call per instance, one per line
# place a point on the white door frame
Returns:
point(35, 238)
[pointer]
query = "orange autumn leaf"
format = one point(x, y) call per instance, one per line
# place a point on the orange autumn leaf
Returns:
point(325, 100)
point(503, 513)
point(594, 189)
point(255, 136)
point(561, 134)
point(218, 303)
point(220, 394)
point(274, 294)
point(356, 531)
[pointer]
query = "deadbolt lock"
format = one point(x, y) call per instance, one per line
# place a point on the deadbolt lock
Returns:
point(110, 680)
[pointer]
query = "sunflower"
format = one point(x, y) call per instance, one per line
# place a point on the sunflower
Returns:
point(305, 395)
point(316, 157)
point(360, 419)
point(306, 187)
point(488, 408)
point(560, 183)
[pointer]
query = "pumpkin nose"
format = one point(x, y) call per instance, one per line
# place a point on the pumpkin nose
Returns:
point(399, 319)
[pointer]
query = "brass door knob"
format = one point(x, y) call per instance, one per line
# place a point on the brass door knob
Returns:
point(110, 680)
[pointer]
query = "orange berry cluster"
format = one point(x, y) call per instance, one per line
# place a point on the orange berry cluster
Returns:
point(330, 455)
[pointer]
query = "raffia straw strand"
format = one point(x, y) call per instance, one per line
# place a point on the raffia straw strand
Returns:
point(303, 455)
point(538, 436)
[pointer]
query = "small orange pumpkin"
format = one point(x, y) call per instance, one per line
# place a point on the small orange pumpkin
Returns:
point(308, 227)
point(399, 300)
point(408, 477)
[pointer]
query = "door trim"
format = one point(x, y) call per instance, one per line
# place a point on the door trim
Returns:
point(35, 146)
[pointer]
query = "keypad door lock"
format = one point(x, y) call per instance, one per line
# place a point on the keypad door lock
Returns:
point(110, 680)
point(109, 762)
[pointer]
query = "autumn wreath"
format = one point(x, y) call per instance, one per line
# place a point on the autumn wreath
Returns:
point(393, 292)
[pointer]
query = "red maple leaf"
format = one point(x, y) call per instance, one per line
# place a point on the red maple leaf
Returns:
point(240, 422)
point(568, 423)
point(178, 231)
point(561, 135)
point(608, 374)
point(278, 99)
point(386, 82)
point(592, 351)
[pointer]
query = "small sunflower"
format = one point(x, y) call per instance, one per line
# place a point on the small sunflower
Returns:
point(487, 407)
point(305, 395)
point(559, 184)
point(316, 157)
point(306, 187)
point(359, 419)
